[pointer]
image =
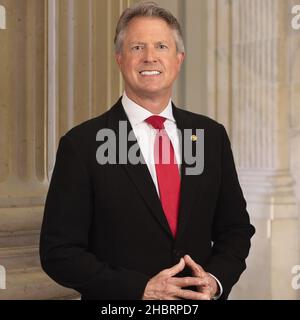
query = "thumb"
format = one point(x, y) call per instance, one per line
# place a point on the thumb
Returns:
point(196, 268)
point(176, 268)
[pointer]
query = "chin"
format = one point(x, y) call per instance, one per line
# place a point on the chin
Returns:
point(154, 92)
point(152, 89)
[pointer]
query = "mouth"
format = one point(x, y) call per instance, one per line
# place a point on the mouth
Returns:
point(150, 73)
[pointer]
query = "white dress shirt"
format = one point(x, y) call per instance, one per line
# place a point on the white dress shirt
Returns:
point(145, 135)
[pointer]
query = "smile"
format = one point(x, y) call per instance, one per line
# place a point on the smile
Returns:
point(150, 73)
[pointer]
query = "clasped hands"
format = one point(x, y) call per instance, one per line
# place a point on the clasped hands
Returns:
point(165, 286)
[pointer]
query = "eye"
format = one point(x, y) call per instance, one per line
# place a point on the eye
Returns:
point(137, 48)
point(162, 46)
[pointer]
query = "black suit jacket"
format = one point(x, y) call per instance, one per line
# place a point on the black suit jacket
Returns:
point(104, 232)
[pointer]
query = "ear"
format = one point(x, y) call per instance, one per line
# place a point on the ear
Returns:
point(181, 57)
point(118, 57)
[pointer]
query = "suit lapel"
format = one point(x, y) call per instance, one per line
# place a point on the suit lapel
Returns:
point(139, 173)
point(189, 183)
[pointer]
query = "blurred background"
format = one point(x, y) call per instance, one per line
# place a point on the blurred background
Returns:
point(242, 68)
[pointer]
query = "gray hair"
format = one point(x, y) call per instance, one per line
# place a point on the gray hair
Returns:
point(147, 9)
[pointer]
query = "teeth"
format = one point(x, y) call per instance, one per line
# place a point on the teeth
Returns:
point(150, 73)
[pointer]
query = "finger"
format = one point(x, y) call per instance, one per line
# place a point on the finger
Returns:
point(194, 266)
point(204, 282)
point(206, 289)
point(192, 295)
point(175, 269)
point(188, 281)
point(188, 259)
point(172, 298)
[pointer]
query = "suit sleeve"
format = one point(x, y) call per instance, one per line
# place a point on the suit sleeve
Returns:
point(64, 239)
point(232, 230)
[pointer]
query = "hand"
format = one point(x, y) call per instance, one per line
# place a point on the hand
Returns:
point(164, 286)
point(209, 286)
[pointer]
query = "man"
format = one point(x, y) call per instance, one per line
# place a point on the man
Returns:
point(148, 230)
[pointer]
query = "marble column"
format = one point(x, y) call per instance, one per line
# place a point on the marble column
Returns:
point(23, 141)
point(218, 61)
point(294, 96)
point(249, 93)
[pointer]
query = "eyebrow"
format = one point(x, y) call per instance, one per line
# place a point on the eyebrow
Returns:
point(144, 43)
point(137, 42)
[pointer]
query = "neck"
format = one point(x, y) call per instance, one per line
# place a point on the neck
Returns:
point(153, 104)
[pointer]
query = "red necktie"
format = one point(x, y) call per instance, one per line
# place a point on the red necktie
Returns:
point(166, 171)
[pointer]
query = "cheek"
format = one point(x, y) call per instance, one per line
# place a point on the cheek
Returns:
point(130, 66)
point(174, 68)
point(129, 72)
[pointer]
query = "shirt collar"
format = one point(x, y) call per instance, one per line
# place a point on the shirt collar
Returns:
point(137, 114)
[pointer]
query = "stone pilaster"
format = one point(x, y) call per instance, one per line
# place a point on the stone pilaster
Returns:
point(252, 57)
point(260, 138)
point(219, 35)
point(23, 171)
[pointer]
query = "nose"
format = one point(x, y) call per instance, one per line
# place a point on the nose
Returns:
point(150, 55)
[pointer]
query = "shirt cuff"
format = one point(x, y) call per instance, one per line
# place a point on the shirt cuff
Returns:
point(216, 297)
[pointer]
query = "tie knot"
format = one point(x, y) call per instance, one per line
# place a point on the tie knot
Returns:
point(156, 122)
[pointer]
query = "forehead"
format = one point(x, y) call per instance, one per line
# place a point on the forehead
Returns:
point(142, 27)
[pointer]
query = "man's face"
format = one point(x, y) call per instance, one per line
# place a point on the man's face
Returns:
point(149, 60)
